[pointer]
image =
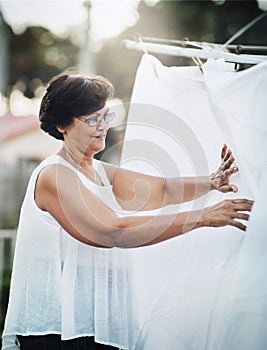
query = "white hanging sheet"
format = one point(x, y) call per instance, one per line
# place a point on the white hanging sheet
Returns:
point(206, 289)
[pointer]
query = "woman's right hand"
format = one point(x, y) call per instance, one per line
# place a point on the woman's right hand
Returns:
point(228, 212)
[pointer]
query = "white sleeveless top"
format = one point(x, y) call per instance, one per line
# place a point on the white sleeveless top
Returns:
point(62, 286)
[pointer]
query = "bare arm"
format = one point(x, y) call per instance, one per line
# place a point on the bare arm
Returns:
point(83, 215)
point(137, 191)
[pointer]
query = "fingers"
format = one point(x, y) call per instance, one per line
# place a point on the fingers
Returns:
point(229, 188)
point(242, 200)
point(240, 205)
point(238, 225)
point(229, 161)
point(228, 173)
point(223, 152)
point(226, 164)
point(234, 188)
point(225, 186)
point(227, 154)
point(231, 171)
point(241, 216)
point(228, 212)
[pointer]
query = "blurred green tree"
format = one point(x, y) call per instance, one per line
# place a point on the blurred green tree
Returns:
point(36, 55)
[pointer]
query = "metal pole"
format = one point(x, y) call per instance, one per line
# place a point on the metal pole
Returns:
point(190, 52)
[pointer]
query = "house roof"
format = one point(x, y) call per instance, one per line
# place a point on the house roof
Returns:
point(12, 127)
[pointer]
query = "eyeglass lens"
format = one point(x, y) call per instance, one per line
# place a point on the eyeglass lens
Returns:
point(98, 118)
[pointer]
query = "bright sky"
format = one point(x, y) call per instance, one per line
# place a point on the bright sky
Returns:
point(108, 17)
point(56, 15)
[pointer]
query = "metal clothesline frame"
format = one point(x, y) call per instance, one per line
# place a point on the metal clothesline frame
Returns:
point(238, 48)
point(201, 49)
point(206, 51)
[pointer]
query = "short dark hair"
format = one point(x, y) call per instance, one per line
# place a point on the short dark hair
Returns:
point(72, 95)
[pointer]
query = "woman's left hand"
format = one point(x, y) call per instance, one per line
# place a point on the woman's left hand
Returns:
point(220, 179)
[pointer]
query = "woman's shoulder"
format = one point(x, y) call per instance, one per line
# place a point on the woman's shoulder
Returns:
point(52, 159)
point(54, 176)
point(53, 163)
point(53, 167)
point(52, 170)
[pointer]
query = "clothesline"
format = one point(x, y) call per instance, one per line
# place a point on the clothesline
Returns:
point(204, 53)
point(202, 50)
point(238, 48)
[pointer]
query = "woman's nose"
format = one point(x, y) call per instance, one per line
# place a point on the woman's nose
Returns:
point(102, 125)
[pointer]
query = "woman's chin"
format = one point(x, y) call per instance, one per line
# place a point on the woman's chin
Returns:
point(99, 146)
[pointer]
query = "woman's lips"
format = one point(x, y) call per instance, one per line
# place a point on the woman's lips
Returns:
point(102, 136)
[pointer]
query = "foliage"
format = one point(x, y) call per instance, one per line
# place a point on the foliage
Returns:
point(35, 56)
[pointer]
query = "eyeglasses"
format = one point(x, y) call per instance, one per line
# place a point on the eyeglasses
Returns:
point(97, 119)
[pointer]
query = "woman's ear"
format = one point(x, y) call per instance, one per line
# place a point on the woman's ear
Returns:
point(60, 129)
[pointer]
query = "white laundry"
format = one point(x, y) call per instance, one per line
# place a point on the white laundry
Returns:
point(208, 288)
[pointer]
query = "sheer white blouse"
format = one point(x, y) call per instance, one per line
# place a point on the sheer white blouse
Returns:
point(62, 286)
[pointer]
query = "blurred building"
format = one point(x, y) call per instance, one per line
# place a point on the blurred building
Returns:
point(22, 138)
point(23, 145)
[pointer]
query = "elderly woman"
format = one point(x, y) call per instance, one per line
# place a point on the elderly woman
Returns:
point(71, 282)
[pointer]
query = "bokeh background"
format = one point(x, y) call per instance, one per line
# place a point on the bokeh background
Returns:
point(39, 39)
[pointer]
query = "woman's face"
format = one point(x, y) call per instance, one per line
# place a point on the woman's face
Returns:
point(88, 133)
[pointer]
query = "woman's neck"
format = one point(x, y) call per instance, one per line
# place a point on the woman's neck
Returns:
point(76, 158)
point(83, 163)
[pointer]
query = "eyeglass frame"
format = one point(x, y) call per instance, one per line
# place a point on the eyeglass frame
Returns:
point(97, 119)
